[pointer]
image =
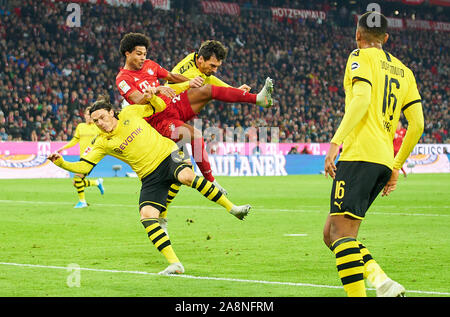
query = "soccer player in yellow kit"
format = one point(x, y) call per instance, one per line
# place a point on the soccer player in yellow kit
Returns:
point(377, 86)
point(85, 133)
point(157, 161)
point(202, 64)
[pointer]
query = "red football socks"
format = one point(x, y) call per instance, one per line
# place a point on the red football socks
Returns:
point(231, 94)
point(201, 158)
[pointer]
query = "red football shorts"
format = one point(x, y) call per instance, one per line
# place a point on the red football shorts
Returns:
point(178, 112)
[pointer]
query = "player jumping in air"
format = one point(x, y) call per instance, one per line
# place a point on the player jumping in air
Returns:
point(377, 87)
point(140, 73)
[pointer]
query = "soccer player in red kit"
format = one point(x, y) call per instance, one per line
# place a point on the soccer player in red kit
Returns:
point(398, 140)
point(140, 74)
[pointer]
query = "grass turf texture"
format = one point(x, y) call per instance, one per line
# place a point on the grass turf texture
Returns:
point(280, 241)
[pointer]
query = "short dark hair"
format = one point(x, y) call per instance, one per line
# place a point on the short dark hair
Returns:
point(373, 29)
point(212, 47)
point(131, 40)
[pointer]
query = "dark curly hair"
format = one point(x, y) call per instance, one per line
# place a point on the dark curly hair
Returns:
point(131, 40)
point(212, 47)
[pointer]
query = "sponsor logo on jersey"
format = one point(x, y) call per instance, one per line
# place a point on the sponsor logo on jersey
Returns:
point(129, 139)
point(124, 86)
point(88, 149)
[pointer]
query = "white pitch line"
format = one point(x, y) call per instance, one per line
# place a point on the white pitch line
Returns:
point(314, 209)
point(225, 279)
point(295, 234)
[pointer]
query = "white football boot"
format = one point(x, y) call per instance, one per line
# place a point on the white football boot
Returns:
point(390, 288)
point(240, 211)
point(264, 97)
point(174, 268)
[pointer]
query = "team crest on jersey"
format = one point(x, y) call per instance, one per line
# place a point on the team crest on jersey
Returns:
point(355, 65)
point(124, 86)
point(151, 72)
point(355, 52)
point(126, 122)
point(117, 150)
point(179, 157)
point(88, 149)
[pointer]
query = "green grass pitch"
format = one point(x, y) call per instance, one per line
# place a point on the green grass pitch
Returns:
point(277, 251)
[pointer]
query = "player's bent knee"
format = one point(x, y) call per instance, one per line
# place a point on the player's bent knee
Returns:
point(186, 176)
point(148, 211)
point(76, 180)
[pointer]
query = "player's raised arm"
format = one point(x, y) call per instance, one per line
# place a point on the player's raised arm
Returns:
point(173, 78)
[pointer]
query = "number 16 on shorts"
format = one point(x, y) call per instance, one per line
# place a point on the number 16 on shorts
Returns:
point(339, 192)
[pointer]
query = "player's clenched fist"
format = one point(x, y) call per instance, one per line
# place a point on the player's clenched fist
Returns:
point(53, 157)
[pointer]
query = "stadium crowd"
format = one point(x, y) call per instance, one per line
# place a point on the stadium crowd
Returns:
point(50, 72)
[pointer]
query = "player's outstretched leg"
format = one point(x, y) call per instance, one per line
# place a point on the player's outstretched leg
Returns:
point(264, 97)
point(199, 97)
point(229, 94)
point(211, 192)
point(95, 182)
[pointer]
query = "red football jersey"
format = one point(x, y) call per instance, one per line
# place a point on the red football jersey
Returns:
point(128, 81)
point(398, 139)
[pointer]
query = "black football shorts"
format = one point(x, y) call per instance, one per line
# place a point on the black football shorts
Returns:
point(155, 186)
point(355, 187)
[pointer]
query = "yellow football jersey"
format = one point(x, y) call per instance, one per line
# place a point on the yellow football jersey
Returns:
point(394, 89)
point(84, 135)
point(133, 141)
point(188, 68)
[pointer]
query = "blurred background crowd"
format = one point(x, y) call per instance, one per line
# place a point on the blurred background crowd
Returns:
point(50, 72)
